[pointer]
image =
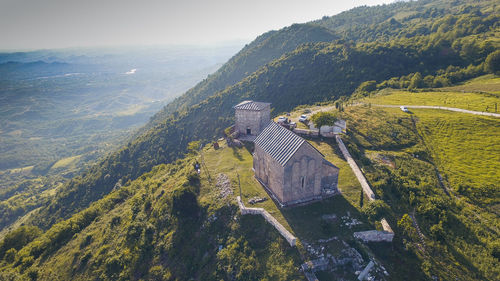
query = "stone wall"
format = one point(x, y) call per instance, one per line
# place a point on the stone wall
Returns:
point(292, 240)
point(366, 188)
point(357, 172)
point(362, 276)
point(305, 165)
point(269, 172)
point(329, 177)
point(374, 236)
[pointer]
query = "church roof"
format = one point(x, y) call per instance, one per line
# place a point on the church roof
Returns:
point(280, 143)
point(251, 105)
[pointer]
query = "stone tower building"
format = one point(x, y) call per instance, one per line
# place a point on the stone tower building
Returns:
point(252, 117)
point(290, 168)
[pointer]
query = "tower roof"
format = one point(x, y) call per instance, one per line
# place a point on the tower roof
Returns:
point(251, 105)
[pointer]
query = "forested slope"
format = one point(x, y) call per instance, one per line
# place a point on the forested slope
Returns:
point(265, 48)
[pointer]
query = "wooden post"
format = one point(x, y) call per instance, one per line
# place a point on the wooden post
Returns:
point(239, 184)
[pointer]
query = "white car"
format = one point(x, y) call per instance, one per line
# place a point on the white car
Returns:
point(303, 118)
point(282, 119)
point(404, 108)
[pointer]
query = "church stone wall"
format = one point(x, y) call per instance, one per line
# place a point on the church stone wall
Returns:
point(304, 166)
point(269, 172)
point(330, 176)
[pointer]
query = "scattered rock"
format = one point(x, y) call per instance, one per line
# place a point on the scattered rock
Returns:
point(237, 143)
point(350, 222)
point(328, 240)
point(255, 200)
point(223, 185)
point(329, 217)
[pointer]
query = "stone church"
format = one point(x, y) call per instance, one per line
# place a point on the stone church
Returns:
point(289, 167)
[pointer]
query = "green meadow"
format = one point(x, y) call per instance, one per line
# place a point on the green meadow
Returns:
point(480, 94)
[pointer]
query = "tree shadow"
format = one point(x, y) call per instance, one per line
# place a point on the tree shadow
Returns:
point(237, 153)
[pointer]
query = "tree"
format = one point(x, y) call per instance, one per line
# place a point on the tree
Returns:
point(193, 147)
point(376, 209)
point(493, 62)
point(367, 86)
point(406, 224)
point(416, 81)
point(324, 119)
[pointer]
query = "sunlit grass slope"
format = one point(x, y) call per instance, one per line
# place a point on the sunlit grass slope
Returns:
point(480, 94)
point(466, 148)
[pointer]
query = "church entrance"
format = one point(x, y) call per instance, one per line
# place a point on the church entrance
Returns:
point(249, 132)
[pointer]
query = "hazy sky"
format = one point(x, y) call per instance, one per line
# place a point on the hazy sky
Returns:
point(30, 24)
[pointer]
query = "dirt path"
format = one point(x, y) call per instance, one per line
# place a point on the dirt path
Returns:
point(443, 108)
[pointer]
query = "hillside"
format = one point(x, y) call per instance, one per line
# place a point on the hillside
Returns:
point(264, 49)
point(148, 221)
point(173, 224)
point(310, 73)
point(459, 214)
point(302, 64)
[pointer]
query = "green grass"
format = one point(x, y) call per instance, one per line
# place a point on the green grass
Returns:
point(348, 183)
point(469, 101)
point(487, 83)
point(479, 94)
point(21, 170)
point(66, 162)
point(465, 147)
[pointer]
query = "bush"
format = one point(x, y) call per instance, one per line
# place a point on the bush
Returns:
point(376, 210)
point(367, 86)
point(324, 119)
point(492, 62)
point(18, 238)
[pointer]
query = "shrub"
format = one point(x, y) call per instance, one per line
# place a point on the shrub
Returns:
point(376, 210)
point(324, 118)
point(492, 62)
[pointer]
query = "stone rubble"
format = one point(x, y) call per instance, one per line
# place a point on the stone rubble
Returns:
point(255, 200)
point(223, 185)
point(350, 222)
point(329, 217)
point(374, 236)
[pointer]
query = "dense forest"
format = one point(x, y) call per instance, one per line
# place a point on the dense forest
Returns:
point(403, 45)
